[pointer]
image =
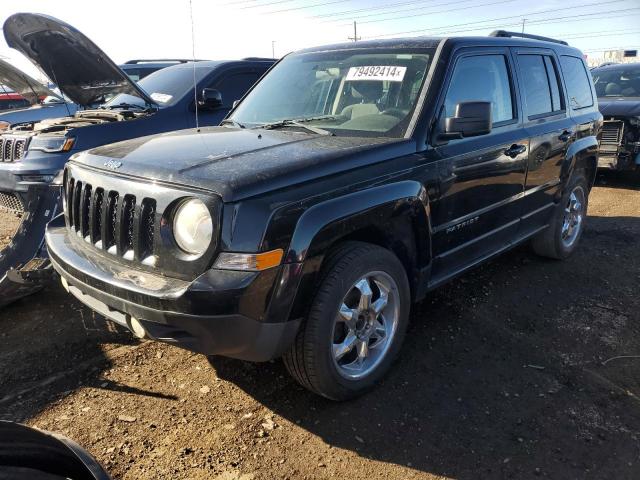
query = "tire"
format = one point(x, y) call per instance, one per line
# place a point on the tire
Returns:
point(556, 241)
point(328, 354)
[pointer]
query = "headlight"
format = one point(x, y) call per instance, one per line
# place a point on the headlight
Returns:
point(4, 126)
point(193, 227)
point(51, 144)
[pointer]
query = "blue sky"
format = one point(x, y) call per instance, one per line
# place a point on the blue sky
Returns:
point(236, 28)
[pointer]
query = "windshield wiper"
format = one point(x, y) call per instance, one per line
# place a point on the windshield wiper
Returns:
point(295, 123)
point(229, 121)
point(126, 105)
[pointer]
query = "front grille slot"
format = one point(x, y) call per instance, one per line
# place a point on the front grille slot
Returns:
point(96, 217)
point(75, 205)
point(110, 214)
point(147, 227)
point(7, 149)
point(85, 208)
point(126, 227)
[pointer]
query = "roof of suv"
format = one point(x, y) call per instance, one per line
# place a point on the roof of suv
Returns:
point(433, 42)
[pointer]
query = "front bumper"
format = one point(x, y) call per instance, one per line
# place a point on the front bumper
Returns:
point(219, 313)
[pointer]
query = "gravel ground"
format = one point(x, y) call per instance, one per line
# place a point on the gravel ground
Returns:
point(9, 223)
point(511, 371)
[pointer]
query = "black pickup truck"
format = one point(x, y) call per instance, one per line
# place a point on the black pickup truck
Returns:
point(350, 181)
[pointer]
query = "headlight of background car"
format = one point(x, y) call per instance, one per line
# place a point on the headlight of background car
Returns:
point(193, 227)
point(51, 144)
point(4, 126)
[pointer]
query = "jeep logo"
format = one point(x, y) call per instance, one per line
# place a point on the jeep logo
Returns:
point(113, 164)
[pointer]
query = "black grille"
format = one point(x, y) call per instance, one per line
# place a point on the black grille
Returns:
point(112, 221)
point(8, 201)
point(12, 148)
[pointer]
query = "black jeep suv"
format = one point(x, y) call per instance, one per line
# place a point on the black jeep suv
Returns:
point(350, 181)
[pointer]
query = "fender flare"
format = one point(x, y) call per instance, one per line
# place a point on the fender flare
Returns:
point(321, 216)
point(582, 153)
point(325, 223)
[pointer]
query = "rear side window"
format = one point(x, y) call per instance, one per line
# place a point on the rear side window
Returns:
point(577, 81)
point(481, 78)
point(540, 83)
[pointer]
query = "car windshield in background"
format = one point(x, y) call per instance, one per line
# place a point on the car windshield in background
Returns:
point(354, 92)
point(166, 86)
point(623, 81)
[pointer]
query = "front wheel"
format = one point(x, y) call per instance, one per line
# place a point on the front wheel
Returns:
point(567, 224)
point(355, 325)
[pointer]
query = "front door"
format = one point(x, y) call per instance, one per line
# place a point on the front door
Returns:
point(482, 178)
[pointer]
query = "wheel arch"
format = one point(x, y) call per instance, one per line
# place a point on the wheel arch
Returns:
point(393, 216)
point(582, 155)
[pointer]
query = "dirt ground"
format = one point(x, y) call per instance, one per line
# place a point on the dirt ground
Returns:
point(9, 223)
point(516, 370)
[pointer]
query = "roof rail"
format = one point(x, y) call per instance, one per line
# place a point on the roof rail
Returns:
point(258, 59)
point(161, 60)
point(504, 33)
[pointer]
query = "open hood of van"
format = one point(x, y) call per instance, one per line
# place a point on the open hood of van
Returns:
point(82, 71)
point(21, 83)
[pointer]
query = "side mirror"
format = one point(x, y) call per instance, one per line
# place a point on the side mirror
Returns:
point(210, 98)
point(471, 119)
point(235, 103)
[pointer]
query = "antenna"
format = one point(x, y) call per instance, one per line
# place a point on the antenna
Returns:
point(193, 56)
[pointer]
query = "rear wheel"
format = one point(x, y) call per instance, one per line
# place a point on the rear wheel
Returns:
point(355, 325)
point(561, 238)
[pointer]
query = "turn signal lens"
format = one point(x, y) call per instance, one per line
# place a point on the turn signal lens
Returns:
point(249, 261)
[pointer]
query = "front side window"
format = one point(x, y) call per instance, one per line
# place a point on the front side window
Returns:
point(540, 84)
point(233, 86)
point(359, 92)
point(577, 81)
point(481, 78)
point(622, 81)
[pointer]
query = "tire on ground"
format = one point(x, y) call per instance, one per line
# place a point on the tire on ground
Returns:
point(310, 360)
point(548, 243)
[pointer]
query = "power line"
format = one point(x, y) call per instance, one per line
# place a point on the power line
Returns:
point(509, 17)
point(489, 20)
point(305, 6)
point(447, 11)
point(380, 7)
point(403, 10)
point(266, 4)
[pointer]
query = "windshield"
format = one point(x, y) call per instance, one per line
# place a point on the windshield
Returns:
point(362, 92)
point(166, 86)
point(623, 81)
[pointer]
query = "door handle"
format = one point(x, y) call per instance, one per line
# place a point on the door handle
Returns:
point(514, 150)
point(565, 136)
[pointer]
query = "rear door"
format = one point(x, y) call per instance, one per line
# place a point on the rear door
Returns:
point(481, 178)
point(550, 130)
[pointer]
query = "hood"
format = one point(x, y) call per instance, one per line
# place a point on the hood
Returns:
point(238, 163)
point(619, 106)
point(82, 71)
point(21, 83)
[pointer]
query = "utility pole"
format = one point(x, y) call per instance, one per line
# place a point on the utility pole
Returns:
point(523, 22)
point(355, 37)
point(273, 49)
